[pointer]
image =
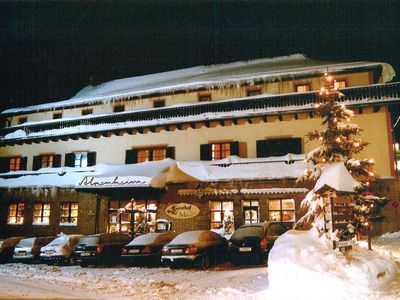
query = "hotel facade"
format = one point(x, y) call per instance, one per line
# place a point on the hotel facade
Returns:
point(193, 146)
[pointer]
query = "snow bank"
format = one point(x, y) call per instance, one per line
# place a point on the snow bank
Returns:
point(311, 268)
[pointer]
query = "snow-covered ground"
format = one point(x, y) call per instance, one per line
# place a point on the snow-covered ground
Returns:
point(220, 282)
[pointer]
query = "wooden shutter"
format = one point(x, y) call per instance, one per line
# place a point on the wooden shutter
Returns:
point(235, 148)
point(4, 164)
point(278, 147)
point(37, 162)
point(131, 156)
point(262, 147)
point(56, 160)
point(91, 158)
point(205, 152)
point(69, 160)
point(171, 152)
point(24, 163)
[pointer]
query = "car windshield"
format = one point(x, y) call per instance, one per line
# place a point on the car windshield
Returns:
point(60, 241)
point(26, 242)
point(89, 240)
point(247, 231)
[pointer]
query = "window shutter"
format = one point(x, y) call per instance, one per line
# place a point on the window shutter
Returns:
point(262, 148)
point(56, 160)
point(91, 158)
point(4, 164)
point(131, 156)
point(235, 148)
point(171, 152)
point(69, 160)
point(37, 162)
point(24, 161)
point(295, 146)
point(205, 152)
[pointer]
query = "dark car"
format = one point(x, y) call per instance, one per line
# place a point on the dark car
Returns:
point(60, 250)
point(7, 247)
point(195, 248)
point(146, 249)
point(28, 249)
point(100, 249)
point(250, 243)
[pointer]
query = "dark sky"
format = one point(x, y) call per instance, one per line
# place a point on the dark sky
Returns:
point(50, 50)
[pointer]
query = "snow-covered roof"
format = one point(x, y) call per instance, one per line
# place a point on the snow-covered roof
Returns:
point(214, 76)
point(336, 177)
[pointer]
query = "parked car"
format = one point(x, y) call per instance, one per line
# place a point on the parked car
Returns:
point(146, 249)
point(28, 249)
point(60, 250)
point(197, 248)
point(100, 249)
point(250, 243)
point(7, 247)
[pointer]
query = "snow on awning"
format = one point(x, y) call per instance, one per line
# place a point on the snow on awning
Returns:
point(274, 191)
point(206, 191)
point(236, 168)
point(336, 177)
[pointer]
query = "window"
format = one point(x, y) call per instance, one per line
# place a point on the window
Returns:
point(80, 159)
point(46, 161)
point(278, 147)
point(22, 120)
point(69, 213)
point(120, 213)
point(149, 154)
point(339, 84)
point(41, 213)
point(281, 210)
point(219, 212)
point(253, 92)
point(11, 164)
point(57, 115)
point(215, 151)
point(302, 88)
point(119, 108)
point(87, 111)
point(204, 98)
point(158, 103)
point(15, 163)
point(16, 213)
point(250, 211)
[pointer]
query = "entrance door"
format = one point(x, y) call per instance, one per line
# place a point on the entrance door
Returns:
point(250, 211)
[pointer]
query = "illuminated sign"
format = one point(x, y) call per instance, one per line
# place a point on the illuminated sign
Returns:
point(110, 182)
point(182, 211)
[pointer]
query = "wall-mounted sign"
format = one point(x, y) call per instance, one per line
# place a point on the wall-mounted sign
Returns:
point(182, 211)
point(116, 181)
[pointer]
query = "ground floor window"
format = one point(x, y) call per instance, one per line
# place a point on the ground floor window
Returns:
point(220, 211)
point(41, 214)
point(143, 214)
point(16, 213)
point(250, 211)
point(281, 210)
point(69, 213)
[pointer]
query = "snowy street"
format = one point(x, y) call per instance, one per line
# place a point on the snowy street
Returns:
point(220, 282)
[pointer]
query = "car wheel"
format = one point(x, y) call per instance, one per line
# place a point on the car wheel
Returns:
point(235, 262)
point(205, 262)
point(83, 265)
point(71, 260)
point(173, 266)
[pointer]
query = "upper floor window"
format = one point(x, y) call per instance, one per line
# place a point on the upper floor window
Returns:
point(215, 151)
point(149, 154)
point(22, 120)
point(87, 111)
point(281, 210)
point(278, 147)
point(15, 163)
point(80, 159)
point(119, 108)
point(46, 161)
point(253, 92)
point(205, 98)
point(158, 103)
point(69, 213)
point(16, 213)
point(302, 88)
point(339, 84)
point(11, 164)
point(41, 213)
point(57, 115)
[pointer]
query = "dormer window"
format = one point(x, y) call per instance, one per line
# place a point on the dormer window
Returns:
point(22, 120)
point(253, 92)
point(119, 108)
point(158, 103)
point(205, 98)
point(87, 111)
point(303, 88)
point(339, 84)
point(57, 115)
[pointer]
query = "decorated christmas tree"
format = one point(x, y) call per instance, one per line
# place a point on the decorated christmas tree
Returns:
point(340, 142)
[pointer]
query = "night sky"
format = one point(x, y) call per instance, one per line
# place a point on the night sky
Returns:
point(51, 50)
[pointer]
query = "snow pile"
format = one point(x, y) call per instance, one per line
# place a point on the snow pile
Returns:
point(387, 244)
point(311, 268)
point(337, 177)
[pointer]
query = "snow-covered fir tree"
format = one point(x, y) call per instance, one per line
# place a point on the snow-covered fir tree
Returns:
point(340, 142)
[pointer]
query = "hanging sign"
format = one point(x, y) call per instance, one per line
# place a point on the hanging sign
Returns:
point(182, 211)
point(115, 181)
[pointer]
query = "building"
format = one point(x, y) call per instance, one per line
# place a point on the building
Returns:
point(193, 146)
